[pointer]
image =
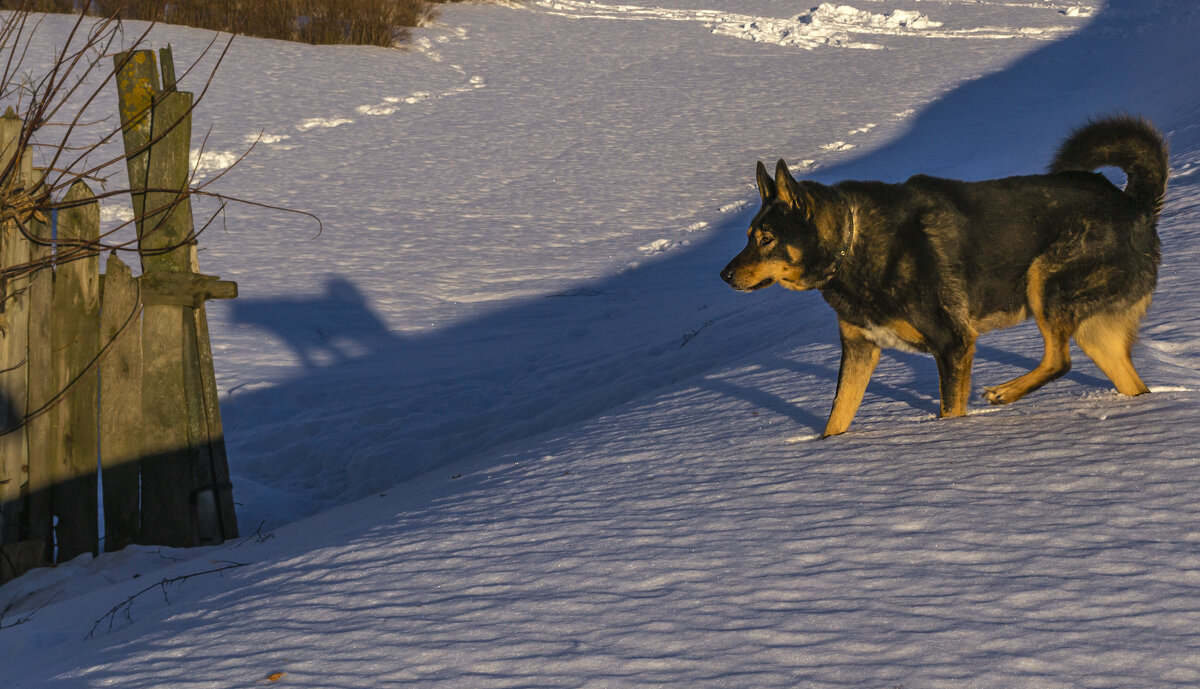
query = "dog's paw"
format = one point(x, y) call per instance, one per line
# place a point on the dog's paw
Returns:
point(997, 395)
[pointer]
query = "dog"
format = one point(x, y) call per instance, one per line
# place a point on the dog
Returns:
point(930, 264)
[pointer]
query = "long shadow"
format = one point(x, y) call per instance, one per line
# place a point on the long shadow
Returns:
point(396, 405)
point(399, 404)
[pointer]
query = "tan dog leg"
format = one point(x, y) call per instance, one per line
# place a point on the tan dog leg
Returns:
point(1108, 339)
point(859, 358)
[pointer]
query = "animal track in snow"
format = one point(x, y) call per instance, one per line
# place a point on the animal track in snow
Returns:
point(733, 207)
point(204, 163)
point(806, 165)
point(391, 104)
point(425, 46)
point(658, 246)
point(837, 146)
point(322, 123)
point(265, 138)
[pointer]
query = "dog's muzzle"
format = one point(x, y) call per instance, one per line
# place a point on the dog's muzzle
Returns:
point(728, 276)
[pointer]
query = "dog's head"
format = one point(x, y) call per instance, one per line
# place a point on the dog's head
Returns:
point(795, 238)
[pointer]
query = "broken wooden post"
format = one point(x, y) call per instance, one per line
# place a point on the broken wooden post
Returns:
point(187, 497)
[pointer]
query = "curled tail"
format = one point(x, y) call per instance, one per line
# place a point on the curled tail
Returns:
point(1130, 143)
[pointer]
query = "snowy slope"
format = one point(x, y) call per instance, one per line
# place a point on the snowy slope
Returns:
point(584, 461)
point(534, 160)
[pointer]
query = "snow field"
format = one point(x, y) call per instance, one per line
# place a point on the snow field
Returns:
point(506, 427)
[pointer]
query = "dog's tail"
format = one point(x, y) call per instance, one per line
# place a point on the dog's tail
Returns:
point(1130, 143)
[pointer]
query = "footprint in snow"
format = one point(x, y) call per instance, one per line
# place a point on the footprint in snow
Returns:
point(265, 138)
point(733, 207)
point(322, 123)
point(837, 146)
point(392, 104)
point(806, 165)
point(205, 163)
point(658, 246)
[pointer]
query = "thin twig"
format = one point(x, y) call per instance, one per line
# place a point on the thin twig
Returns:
point(126, 606)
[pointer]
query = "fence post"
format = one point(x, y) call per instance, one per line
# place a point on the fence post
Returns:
point(186, 497)
point(75, 339)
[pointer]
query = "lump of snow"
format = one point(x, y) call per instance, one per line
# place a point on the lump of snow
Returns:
point(852, 17)
point(909, 19)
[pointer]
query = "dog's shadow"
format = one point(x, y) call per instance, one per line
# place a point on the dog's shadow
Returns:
point(401, 403)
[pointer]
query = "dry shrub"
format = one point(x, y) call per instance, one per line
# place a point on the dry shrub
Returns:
point(356, 22)
point(38, 5)
point(362, 22)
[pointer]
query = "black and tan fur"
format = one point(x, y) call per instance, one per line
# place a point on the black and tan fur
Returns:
point(931, 263)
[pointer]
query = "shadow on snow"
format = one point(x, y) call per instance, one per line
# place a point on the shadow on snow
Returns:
point(399, 405)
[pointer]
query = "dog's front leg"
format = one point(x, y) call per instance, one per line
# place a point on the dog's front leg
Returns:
point(859, 357)
point(954, 375)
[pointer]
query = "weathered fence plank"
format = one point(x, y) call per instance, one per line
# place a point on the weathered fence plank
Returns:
point(14, 251)
point(167, 241)
point(166, 465)
point(75, 338)
point(220, 488)
point(120, 405)
point(39, 429)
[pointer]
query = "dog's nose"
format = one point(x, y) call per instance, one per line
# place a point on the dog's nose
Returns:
point(727, 275)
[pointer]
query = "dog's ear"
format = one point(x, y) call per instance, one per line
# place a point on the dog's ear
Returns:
point(766, 185)
point(792, 192)
point(786, 186)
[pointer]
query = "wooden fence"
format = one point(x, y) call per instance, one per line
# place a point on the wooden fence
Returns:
point(108, 379)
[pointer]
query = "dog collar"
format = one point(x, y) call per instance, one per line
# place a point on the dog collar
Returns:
point(844, 252)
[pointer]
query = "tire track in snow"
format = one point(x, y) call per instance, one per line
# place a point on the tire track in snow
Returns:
point(825, 25)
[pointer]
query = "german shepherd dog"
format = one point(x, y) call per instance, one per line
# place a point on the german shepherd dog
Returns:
point(930, 264)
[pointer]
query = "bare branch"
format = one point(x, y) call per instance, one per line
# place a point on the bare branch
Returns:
point(126, 606)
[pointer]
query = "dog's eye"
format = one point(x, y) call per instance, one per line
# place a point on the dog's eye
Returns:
point(765, 241)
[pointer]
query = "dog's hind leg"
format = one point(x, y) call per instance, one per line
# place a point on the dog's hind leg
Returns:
point(1108, 339)
point(1056, 361)
point(1056, 355)
point(859, 358)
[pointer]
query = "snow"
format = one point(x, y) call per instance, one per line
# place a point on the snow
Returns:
point(499, 423)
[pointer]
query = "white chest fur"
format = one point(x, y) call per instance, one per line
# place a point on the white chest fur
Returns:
point(887, 338)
